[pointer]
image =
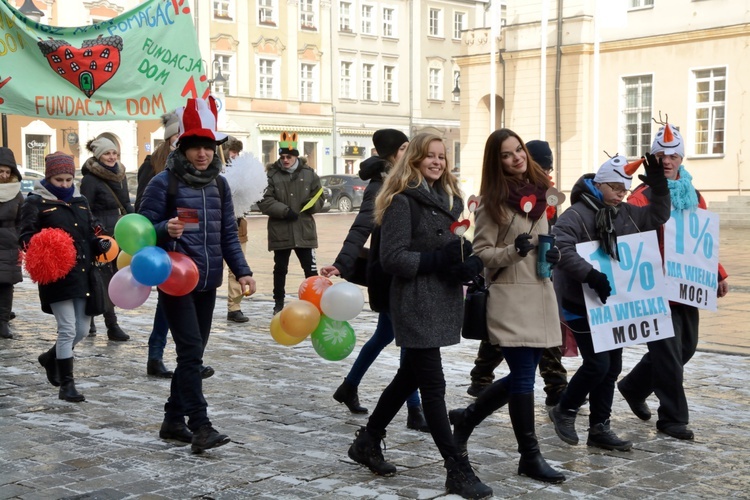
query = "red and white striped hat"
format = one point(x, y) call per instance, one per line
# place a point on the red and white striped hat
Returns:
point(199, 118)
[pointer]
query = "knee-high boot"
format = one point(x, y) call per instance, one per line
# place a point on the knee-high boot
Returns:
point(114, 332)
point(68, 390)
point(492, 398)
point(532, 464)
point(48, 360)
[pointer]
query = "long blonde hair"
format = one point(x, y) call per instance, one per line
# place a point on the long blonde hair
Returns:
point(406, 174)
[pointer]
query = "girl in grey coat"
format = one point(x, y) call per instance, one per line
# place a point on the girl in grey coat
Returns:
point(428, 263)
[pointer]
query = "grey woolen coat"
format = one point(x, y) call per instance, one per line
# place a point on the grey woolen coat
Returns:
point(426, 310)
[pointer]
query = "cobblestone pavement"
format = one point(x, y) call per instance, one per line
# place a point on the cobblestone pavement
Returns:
point(289, 437)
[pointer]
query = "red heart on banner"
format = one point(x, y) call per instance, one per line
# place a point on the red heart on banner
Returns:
point(528, 203)
point(87, 68)
point(460, 227)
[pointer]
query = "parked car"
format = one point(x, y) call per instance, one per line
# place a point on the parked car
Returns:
point(346, 190)
point(29, 176)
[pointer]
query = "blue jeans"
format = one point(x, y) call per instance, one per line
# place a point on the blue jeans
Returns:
point(382, 337)
point(522, 362)
point(189, 319)
point(72, 325)
point(157, 341)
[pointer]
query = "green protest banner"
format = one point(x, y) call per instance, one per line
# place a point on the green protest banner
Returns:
point(136, 66)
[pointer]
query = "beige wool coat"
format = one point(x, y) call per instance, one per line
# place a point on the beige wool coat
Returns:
point(521, 307)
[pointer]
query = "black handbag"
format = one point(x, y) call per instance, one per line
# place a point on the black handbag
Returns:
point(96, 302)
point(475, 308)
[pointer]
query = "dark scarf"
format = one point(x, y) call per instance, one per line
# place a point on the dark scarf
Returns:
point(64, 194)
point(193, 177)
point(604, 220)
point(516, 191)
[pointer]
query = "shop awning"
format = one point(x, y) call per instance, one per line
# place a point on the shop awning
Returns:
point(267, 127)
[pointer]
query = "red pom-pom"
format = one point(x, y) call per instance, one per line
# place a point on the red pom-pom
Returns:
point(50, 256)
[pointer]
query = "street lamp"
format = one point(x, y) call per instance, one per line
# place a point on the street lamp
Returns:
point(29, 10)
point(457, 90)
point(218, 77)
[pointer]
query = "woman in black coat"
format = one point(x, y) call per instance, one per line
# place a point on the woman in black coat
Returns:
point(105, 187)
point(10, 212)
point(57, 203)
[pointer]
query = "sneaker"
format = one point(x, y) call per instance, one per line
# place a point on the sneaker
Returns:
point(565, 424)
point(206, 438)
point(601, 436)
point(637, 406)
point(237, 317)
point(176, 431)
point(678, 431)
point(365, 450)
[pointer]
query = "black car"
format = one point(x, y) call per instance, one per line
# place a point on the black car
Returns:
point(346, 190)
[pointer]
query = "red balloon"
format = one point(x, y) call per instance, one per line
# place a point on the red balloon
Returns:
point(184, 276)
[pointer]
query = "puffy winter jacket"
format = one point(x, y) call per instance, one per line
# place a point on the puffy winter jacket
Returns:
point(103, 189)
point(10, 216)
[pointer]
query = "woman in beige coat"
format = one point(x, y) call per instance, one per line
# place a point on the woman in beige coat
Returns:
point(522, 315)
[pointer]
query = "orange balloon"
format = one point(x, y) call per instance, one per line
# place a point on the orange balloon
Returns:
point(123, 259)
point(110, 254)
point(312, 289)
point(299, 318)
point(279, 335)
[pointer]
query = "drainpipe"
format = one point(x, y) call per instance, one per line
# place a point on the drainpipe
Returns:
point(558, 65)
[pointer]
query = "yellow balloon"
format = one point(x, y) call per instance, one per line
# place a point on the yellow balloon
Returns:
point(123, 259)
point(279, 335)
point(300, 318)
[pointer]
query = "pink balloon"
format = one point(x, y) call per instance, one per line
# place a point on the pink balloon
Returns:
point(125, 291)
point(184, 276)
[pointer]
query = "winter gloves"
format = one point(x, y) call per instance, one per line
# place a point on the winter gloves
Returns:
point(553, 256)
point(291, 215)
point(466, 270)
point(438, 260)
point(523, 245)
point(599, 283)
point(654, 177)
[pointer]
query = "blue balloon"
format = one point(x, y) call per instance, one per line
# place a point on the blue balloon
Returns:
point(151, 266)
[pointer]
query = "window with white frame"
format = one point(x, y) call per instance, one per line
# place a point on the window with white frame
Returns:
point(435, 22)
point(389, 80)
point(267, 12)
point(268, 79)
point(367, 19)
point(345, 16)
point(307, 11)
point(639, 4)
point(459, 24)
point(389, 22)
point(224, 9)
point(710, 109)
point(435, 84)
point(308, 77)
point(368, 93)
point(222, 64)
point(637, 111)
point(346, 88)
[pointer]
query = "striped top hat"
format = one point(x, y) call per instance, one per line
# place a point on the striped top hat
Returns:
point(199, 119)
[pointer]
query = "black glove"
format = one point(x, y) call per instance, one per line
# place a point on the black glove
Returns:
point(103, 246)
point(654, 177)
point(552, 256)
point(599, 283)
point(466, 270)
point(523, 245)
point(291, 215)
point(452, 250)
point(430, 262)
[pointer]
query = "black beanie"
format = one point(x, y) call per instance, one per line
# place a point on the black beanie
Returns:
point(540, 153)
point(387, 141)
point(194, 141)
point(7, 159)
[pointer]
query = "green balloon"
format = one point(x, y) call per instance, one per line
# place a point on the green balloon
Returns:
point(133, 232)
point(333, 340)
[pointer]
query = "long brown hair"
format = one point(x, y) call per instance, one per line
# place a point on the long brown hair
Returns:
point(405, 174)
point(159, 156)
point(495, 185)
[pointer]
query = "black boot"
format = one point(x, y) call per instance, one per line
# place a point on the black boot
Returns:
point(49, 362)
point(92, 328)
point(347, 394)
point(68, 390)
point(5, 331)
point(114, 332)
point(206, 438)
point(532, 464)
point(415, 420)
point(565, 423)
point(462, 481)
point(156, 368)
point(366, 450)
point(176, 431)
point(601, 436)
point(492, 398)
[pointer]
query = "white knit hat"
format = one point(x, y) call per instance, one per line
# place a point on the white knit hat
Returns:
point(617, 169)
point(669, 141)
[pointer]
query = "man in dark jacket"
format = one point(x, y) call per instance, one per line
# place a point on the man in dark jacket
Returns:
point(191, 183)
point(293, 195)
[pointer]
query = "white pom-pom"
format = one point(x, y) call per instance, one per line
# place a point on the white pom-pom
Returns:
point(247, 179)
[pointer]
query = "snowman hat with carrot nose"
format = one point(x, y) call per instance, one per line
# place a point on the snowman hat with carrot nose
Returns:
point(617, 169)
point(668, 141)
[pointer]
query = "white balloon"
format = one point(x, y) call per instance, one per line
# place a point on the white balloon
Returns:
point(342, 301)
